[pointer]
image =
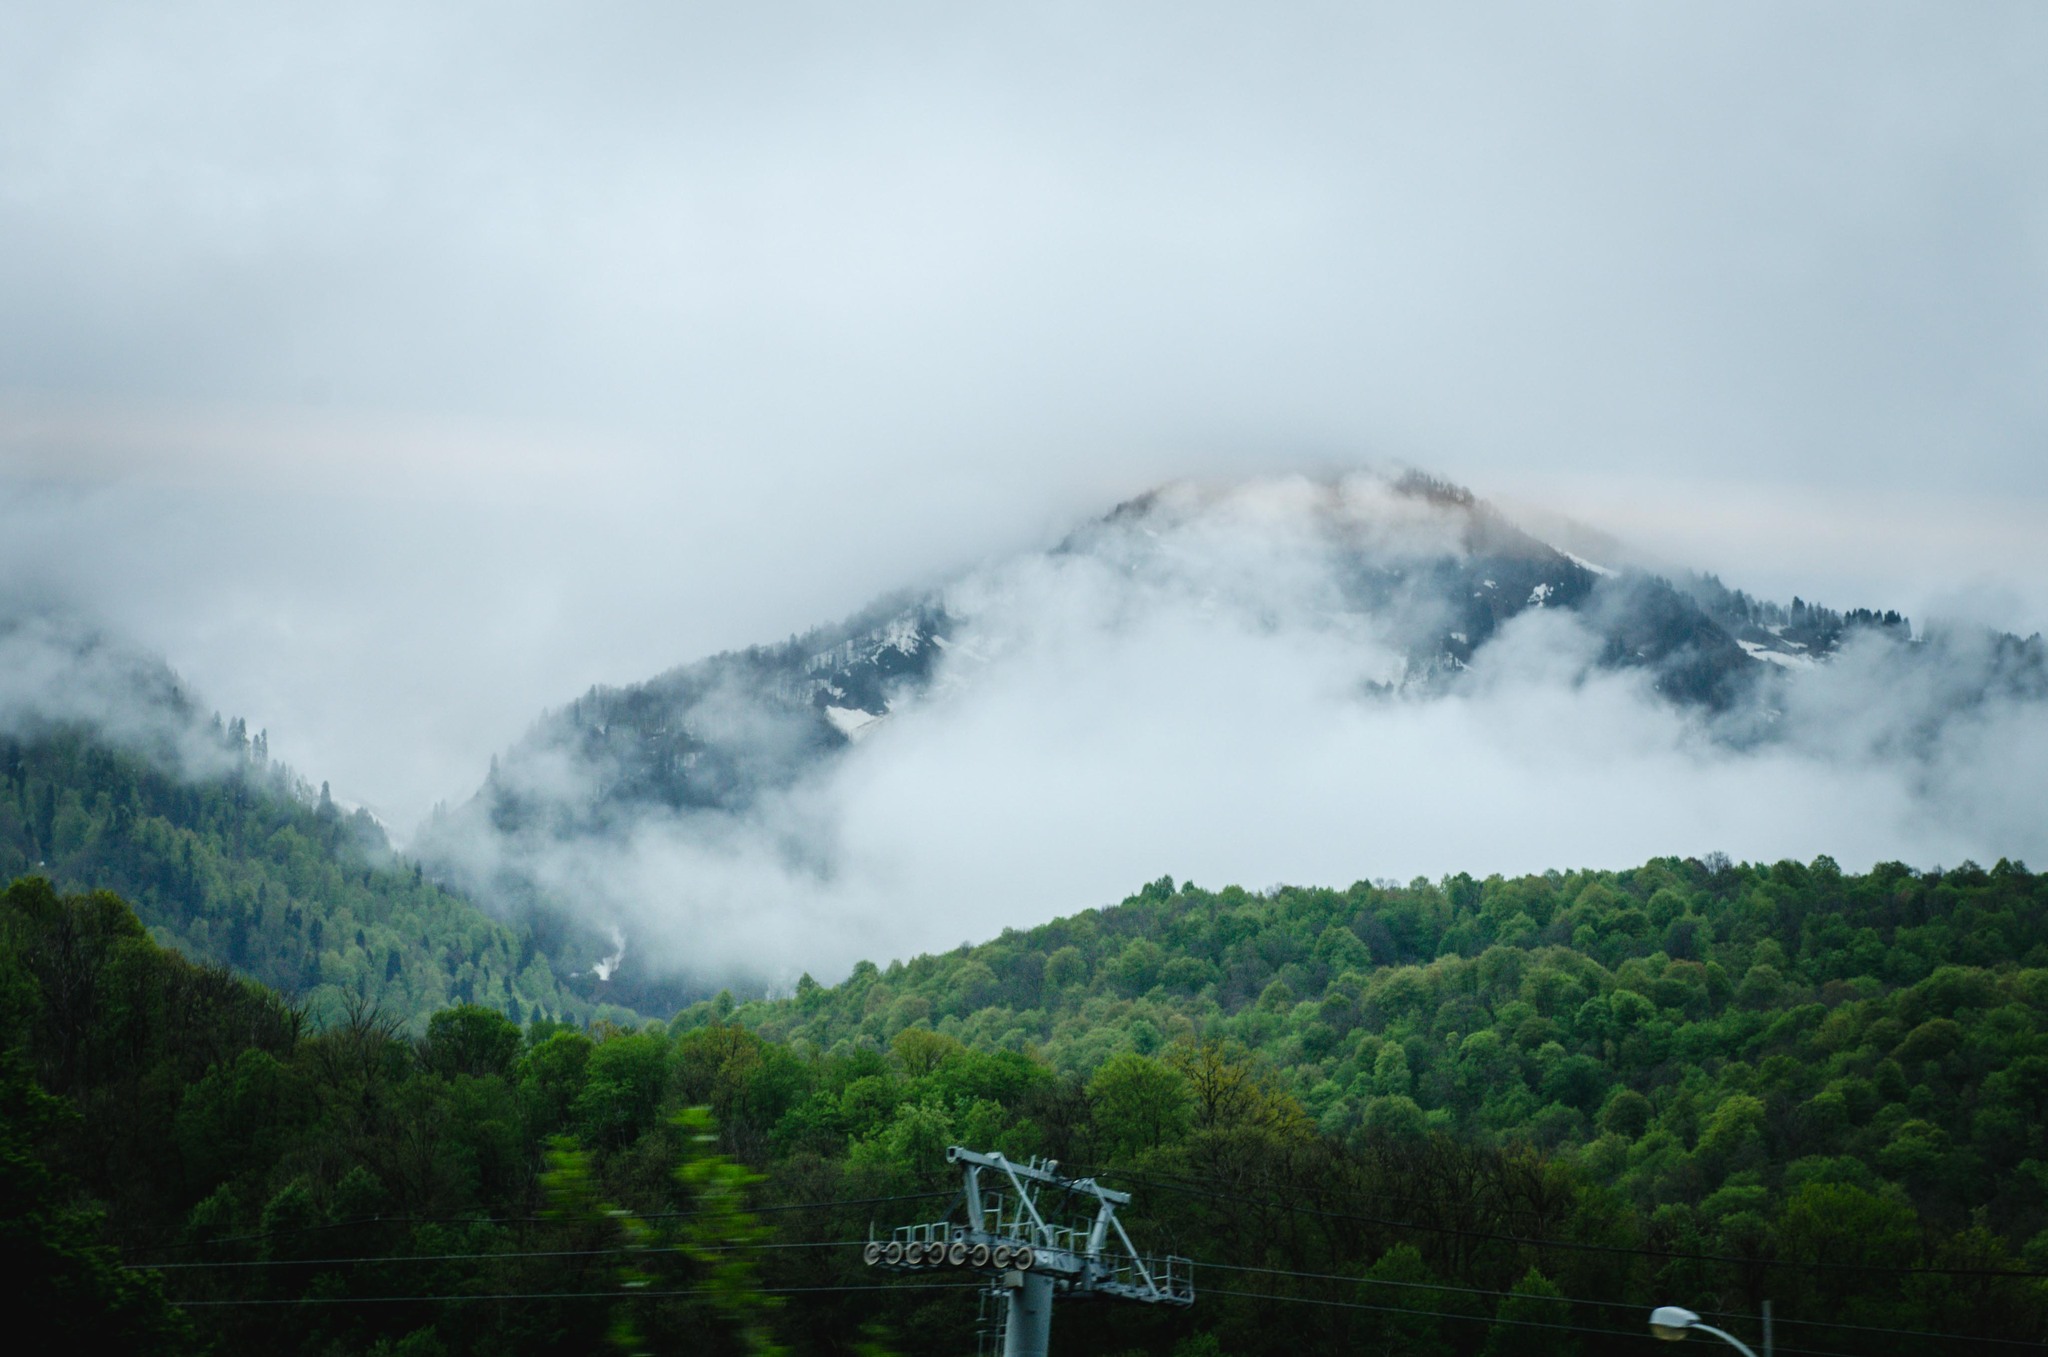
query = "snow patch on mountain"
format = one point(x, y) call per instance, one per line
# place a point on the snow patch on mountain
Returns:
point(1759, 651)
point(1584, 564)
point(852, 722)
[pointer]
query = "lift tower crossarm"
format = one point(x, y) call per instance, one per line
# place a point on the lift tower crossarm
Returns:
point(1018, 1174)
point(1045, 1174)
point(1083, 1251)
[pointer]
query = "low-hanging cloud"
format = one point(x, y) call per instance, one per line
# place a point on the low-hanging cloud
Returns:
point(1189, 693)
point(57, 671)
point(403, 369)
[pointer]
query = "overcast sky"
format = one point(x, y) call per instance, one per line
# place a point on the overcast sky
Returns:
point(399, 370)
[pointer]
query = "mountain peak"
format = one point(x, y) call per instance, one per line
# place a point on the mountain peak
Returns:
point(731, 780)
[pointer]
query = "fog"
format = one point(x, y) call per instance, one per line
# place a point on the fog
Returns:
point(55, 671)
point(397, 373)
point(1190, 693)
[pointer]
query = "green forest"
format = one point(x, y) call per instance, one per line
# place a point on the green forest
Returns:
point(249, 867)
point(1449, 1117)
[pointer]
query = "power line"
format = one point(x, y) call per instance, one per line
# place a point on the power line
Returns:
point(1166, 1182)
point(1607, 1304)
point(1875, 1328)
point(1476, 1319)
point(359, 1221)
point(216, 1264)
point(615, 1294)
point(1633, 1251)
point(1807, 1323)
point(1427, 1314)
point(1388, 1281)
point(1448, 1288)
point(1445, 1287)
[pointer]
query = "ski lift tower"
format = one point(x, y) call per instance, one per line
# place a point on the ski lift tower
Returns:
point(1029, 1229)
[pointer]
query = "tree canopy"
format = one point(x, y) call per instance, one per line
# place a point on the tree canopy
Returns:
point(1453, 1117)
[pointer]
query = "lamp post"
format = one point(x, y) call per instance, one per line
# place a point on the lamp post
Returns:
point(1672, 1322)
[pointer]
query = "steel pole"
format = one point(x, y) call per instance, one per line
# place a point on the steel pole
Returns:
point(1726, 1337)
point(1028, 1333)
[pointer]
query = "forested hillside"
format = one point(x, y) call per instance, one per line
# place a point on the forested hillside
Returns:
point(1711, 1041)
point(1484, 1117)
point(236, 862)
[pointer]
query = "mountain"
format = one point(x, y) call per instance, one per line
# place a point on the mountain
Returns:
point(718, 734)
point(1418, 588)
point(112, 778)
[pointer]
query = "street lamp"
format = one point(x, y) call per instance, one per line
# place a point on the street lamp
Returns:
point(1672, 1322)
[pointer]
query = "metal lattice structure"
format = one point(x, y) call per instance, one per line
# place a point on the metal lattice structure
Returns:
point(1037, 1235)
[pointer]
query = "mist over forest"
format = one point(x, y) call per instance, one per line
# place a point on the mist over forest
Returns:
point(786, 679)
point(1365, 677)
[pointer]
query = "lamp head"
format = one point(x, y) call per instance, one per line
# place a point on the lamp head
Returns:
point(1670, 1322)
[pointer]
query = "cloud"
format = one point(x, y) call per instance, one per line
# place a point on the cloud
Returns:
point(1741, 239)
point(56, 671)
point(400, 372)
point(1191, 694)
